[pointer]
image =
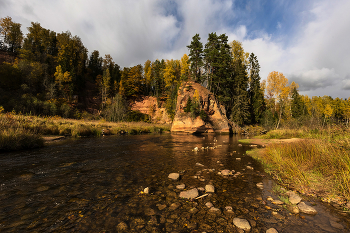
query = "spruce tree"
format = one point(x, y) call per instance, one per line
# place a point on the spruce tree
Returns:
point(255, 93)
point(240, 109)
point(196, 58)
point(297, 105)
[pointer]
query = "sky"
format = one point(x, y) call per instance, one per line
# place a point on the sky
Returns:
point(306, 40)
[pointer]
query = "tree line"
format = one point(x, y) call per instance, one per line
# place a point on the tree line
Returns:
point(54, 74)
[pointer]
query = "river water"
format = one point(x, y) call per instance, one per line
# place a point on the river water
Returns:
point(94, 185)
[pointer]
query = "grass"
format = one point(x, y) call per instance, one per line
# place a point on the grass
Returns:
point(24, 132)
point(320, 164)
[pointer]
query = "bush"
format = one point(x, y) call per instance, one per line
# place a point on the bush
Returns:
point(137, 116)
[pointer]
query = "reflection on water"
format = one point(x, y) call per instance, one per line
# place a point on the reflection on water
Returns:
point(93, 185)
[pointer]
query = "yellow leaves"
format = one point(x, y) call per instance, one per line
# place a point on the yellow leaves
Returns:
point(169, 72)
point(185, 66)
point(196, 96)
point(61, 77)
point(276, 85)
point(328, 111)
point(238, 52)
point(148, 71)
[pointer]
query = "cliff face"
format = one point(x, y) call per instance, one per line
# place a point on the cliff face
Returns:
point(184, 122)
point(148, 105)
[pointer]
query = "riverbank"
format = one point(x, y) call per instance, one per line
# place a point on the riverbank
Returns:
point(26, 132)
point(315, 164)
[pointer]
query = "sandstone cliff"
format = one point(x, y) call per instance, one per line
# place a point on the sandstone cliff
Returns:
point(185, 122)
point(149, 105)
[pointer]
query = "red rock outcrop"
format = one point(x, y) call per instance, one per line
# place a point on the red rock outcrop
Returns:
point(149, 105)
point(184, 122)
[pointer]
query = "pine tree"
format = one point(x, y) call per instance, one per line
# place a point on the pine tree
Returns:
point(255, 93)
point(196, 58)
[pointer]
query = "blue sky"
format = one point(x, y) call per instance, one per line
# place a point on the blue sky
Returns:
point(306, 40)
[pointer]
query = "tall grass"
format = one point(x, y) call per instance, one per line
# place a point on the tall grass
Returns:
point(21, 132)
point(311, 165)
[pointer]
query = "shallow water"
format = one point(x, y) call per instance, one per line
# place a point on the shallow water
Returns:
point(94, 185)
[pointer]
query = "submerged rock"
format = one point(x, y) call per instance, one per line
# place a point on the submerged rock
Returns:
point(260, 185)
point(122, 226)
point(209, 188)
point(189, 194)
point(209, 204)
point(181, 186)
point(272, 230)
point(226, 172)
point(306, 209)
point(174, 176)
point(242, 224)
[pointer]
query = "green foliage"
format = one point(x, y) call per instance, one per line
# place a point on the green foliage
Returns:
point(255, 93)
point(196, 58)
point(137, 116)
point(297, 105)
point(188, 105)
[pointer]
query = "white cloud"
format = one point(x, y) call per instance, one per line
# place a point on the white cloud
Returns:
point(316, 55)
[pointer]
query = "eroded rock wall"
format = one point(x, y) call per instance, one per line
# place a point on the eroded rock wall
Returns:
point(184, 122)
point(149, 105)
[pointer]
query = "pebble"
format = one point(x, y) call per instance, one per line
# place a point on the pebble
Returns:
point(209, 188)
point(199, 164)
point(271, 230)
point(293, 209)
point(249, 167)
point(242, 224)
point(306, 209)
point(189, 194)
point(239, 159)
point(174, 206)
point(174, 176)
point(260, 185)
point(181, 186)
point(209, 205)
point(146, 190)
point(226, 172)
point(229, 208)
point(122, 226)
point(214, 210)
point(277, 202)
point(161, 207)
point(193, 210)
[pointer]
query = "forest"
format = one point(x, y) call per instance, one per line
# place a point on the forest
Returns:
point(53, 74)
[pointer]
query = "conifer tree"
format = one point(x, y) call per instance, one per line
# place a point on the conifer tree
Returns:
point(196, 58)
point(297, 104)
point(255, 92)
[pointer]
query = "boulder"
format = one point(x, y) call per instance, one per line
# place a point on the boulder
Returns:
point(303, 208)
point(293, 197)
point(216, 116)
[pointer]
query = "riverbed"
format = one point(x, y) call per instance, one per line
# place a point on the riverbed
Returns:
point(97, 184)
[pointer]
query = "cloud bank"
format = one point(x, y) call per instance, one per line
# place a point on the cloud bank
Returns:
point(305, 40)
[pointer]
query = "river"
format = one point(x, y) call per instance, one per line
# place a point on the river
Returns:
point(95, 184)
